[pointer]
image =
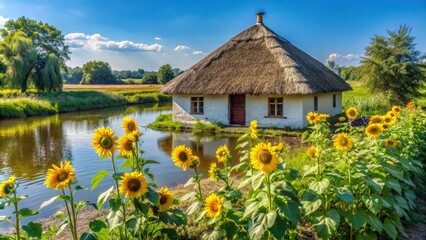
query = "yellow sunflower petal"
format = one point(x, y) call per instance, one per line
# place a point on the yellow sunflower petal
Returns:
point(343, 142)
point(213, 206)
point(212, 172)
point(60, 177)
point(264, 158)
point(125, 144)
point(104, 141)
point(182, 157)
point(253, 129)
point(222, 153)
point(133, 185)
point(129, 125)
point(351, 113)
point(312, 152)
point(165, 199)
point(373, 130)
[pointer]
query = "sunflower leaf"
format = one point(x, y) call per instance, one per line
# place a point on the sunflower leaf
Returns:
point(103, 197)
point(98, 178)
point(48, 202)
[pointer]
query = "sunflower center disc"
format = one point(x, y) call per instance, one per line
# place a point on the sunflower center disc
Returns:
point(129, 145)
point(62, 176)
point(265, 157)
point(133, 185)
point(131, 126)
point(183, 157)
point(8, 189)
point(106, 142)
point(343, 142)
point(163, 199)
point(215, 207)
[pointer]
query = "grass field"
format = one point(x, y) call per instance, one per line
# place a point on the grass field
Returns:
point(76, 98)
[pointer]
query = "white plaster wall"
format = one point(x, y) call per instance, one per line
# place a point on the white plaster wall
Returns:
point(325, 104)
point(257, 109)
point(215, 109)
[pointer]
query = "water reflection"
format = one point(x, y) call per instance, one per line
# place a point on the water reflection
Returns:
point(202, 146)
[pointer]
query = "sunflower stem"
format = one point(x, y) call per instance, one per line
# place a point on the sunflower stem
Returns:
point(118, 196)
point(69, 216)
point(74, 216)
point(198, 183)
point(15, 203)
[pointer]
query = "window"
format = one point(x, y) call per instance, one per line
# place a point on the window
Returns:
point(315, 103)
point(334, 100)
point(197, 105)
point(275, 107)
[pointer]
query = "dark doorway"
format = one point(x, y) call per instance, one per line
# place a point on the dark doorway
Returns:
point(237, 109)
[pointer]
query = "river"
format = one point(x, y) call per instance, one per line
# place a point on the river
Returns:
point(29, 147)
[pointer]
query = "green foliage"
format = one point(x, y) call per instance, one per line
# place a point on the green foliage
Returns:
point(206, 127)
point(20, 56)
point(393, 66)
point(73, 75)
point(165, 74)
point(351, 73)
point(165, 122)
point(39, 62)
point(97, 72)
point(150, 78)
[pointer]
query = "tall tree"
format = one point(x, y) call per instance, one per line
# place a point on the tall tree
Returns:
point(48, 42)
point(97, 72)
point(393, 66)
point(20, 56)
point(150, 78)
point(165, 74)
point(73, 75)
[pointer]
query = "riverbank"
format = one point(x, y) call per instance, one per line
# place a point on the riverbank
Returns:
point(164, 122)
point(73, 98)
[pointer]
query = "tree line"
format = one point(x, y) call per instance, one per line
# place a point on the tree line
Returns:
point(99, 72)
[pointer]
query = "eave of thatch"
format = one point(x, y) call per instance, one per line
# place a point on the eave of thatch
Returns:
point(257, 61)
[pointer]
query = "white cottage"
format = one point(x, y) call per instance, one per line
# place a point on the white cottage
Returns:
point(257, 75)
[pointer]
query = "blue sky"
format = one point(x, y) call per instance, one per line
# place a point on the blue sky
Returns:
point(147, 34)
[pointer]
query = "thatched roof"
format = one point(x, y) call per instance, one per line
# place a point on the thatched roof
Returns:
point(257, 61)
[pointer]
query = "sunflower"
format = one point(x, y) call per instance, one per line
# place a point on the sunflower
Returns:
point(312, 152)
point(213, 206)
point(7, 186)
point(129, 124)
point(388, 119)
point(374, 130)
point(278, 147)
point(390, 143)
point(391, 114)
point(133, 185)
point(313, 117)
point(182, 156)
point(222, 153)
point(351, 113)
point(342, 119)
point(212, 172)
point(61, 176)
point(337, 124)
point(104, 141)
point(137, 134)
point(343, 142)
point(253, 129)
point(324, 116)
point(376, 119)
point(264, 158)
point(165, 199)
point(396, 109)
point(385, 126)
point(125, 144)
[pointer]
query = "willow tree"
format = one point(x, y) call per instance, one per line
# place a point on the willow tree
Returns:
point(19, 55)
point(393, 66)
point(49, 45)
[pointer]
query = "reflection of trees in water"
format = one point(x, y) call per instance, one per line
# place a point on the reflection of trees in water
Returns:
point(28, 147)
point(31, 151)
point(203, 146)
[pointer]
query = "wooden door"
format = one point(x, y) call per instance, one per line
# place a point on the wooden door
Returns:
point(237, 109)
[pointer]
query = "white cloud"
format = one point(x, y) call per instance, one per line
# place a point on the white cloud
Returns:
point(197, 52)
point(181, 48)
point(345, 60)
point(3, 20)
point(157, 38)
point(97, 41)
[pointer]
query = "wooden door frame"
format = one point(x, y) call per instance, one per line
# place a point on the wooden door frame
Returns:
point(231, 122)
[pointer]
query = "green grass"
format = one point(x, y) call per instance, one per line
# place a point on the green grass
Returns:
point(369, 103)
point(165, 122)
point(13, 104)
